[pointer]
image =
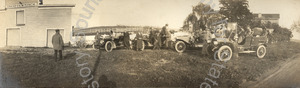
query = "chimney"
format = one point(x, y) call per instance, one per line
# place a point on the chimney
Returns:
point(40, 2)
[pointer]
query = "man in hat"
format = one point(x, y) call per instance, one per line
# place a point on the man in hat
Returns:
point(58, 44)
point(97, 40)
point(151, 35)
point(165, 35)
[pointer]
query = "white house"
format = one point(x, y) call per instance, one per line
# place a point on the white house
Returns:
point(30, 23)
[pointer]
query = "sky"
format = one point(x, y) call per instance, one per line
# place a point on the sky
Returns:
point(159, 12)
point(289, 10)
point(137, 12)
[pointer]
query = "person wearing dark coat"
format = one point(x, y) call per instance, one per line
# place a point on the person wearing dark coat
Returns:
point(152, 35)
point(97, 39)
point(139, 41)
point(165, 36)
point(126, 40)
point(58, 44)
point(157, 41)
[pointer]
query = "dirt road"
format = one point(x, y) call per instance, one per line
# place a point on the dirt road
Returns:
point(286, 75)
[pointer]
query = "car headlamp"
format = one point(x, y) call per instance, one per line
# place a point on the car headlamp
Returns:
point(101, 41)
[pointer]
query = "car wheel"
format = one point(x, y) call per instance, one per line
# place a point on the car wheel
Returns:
point(224, 53)
point(108, 46)
point(261, 51)
point(81, 44)
point(180, 46)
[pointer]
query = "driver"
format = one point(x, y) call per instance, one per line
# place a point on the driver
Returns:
point(97, 38)
point(208, 36)
point(165, 35)
point(112, 34)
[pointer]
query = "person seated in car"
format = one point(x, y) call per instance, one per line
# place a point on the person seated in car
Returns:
point(112, 34)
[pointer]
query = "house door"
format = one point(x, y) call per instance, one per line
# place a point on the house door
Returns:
point(13, 37)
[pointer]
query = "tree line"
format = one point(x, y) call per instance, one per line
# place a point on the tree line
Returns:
point(235, 11)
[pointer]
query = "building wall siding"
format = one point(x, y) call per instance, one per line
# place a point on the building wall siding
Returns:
point(37, 21)
point(2, 29)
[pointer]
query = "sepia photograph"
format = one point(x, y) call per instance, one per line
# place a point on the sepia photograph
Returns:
point(149, 43)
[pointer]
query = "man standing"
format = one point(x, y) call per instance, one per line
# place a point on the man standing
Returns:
point(97, 39)
point(58, 44)
point(207, 37)
point(151, 35)
point(165, 36)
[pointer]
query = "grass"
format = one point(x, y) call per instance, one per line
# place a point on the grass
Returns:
point(35, 67)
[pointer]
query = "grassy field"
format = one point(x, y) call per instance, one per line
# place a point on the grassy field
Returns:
point(35, 67)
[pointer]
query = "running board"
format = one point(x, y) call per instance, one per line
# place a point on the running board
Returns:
point(198, 45)
point(247, 52)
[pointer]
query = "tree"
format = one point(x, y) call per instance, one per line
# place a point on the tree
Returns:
point(236, 11)
point(280, 33)
point(296, 26)
point(202, 17)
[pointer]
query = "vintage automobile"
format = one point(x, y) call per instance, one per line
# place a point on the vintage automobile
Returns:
point(224, 44)
point(110, 42)
point(255, 42)
point(183, 39)
point(83, 41)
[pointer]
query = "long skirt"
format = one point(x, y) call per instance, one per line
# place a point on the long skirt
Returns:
point(126, 43)
point(139, 44)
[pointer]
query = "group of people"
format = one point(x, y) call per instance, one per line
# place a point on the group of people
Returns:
point(138, 42)
point(160, 38)
point(157, 38)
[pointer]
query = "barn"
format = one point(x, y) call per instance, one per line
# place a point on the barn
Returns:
point(30, 23)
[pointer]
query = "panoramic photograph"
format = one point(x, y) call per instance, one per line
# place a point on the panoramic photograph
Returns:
point(149, 43)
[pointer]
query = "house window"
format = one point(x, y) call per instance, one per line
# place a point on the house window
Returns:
point(20, 18)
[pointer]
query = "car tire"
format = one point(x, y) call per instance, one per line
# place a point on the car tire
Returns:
point(261, 51)
point(180, 46)
point(108, 46)
point(81, 44)
point(224, 50)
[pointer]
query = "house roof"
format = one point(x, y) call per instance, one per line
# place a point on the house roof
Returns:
point(57, 5)
point(267, 16)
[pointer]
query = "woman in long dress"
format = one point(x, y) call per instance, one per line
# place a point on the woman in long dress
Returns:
point(139, 41)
